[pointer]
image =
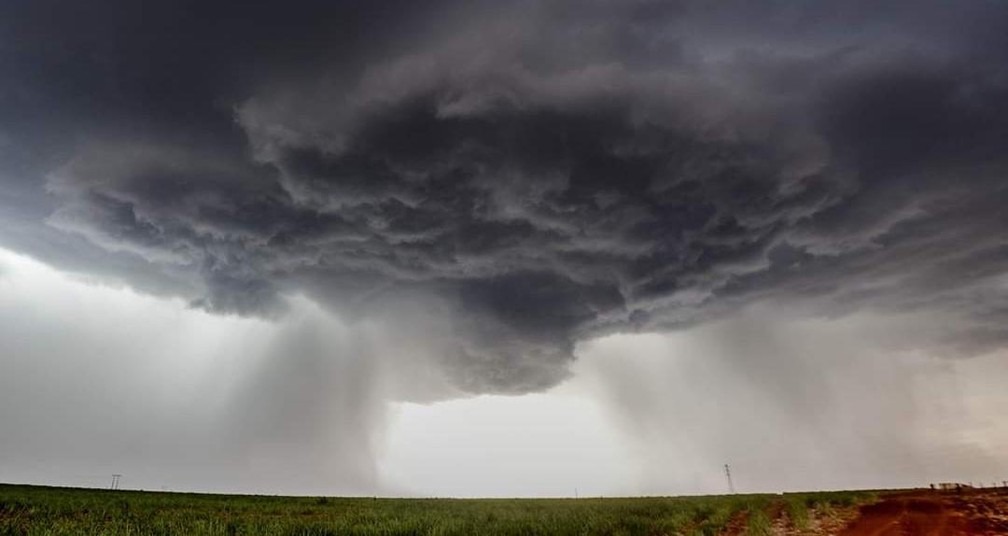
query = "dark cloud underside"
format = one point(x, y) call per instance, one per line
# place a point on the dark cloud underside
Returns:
point(536, 174)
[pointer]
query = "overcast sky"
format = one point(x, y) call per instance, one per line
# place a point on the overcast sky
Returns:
point(503, 248)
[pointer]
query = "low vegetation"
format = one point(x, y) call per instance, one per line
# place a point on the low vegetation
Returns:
point(31, 510)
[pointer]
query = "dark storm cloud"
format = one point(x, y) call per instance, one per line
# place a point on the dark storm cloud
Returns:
point(536, 173)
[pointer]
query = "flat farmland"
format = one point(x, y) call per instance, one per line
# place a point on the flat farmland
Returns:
point(35, 510)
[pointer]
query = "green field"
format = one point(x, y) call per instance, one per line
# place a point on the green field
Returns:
point(45, 510)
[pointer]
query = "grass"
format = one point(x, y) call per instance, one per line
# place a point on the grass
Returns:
point(34, 510)
point(759, 524)
point(798, 512)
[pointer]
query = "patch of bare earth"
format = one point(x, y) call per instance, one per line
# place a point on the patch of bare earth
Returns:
point(737, 524)
point(981, 512)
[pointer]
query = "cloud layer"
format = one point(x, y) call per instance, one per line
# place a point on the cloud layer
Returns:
point(530, 175)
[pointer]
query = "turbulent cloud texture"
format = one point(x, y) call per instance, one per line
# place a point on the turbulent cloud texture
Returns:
point(532, 174)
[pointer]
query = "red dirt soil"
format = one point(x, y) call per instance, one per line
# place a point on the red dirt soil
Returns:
point(934, 513)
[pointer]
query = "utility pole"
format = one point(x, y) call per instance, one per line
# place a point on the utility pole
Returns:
point(727, 472)
point(115, 482)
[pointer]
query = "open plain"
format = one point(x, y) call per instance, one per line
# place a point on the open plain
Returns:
point(32, 510)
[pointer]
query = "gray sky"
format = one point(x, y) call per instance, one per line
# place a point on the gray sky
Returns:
point(312, 248)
